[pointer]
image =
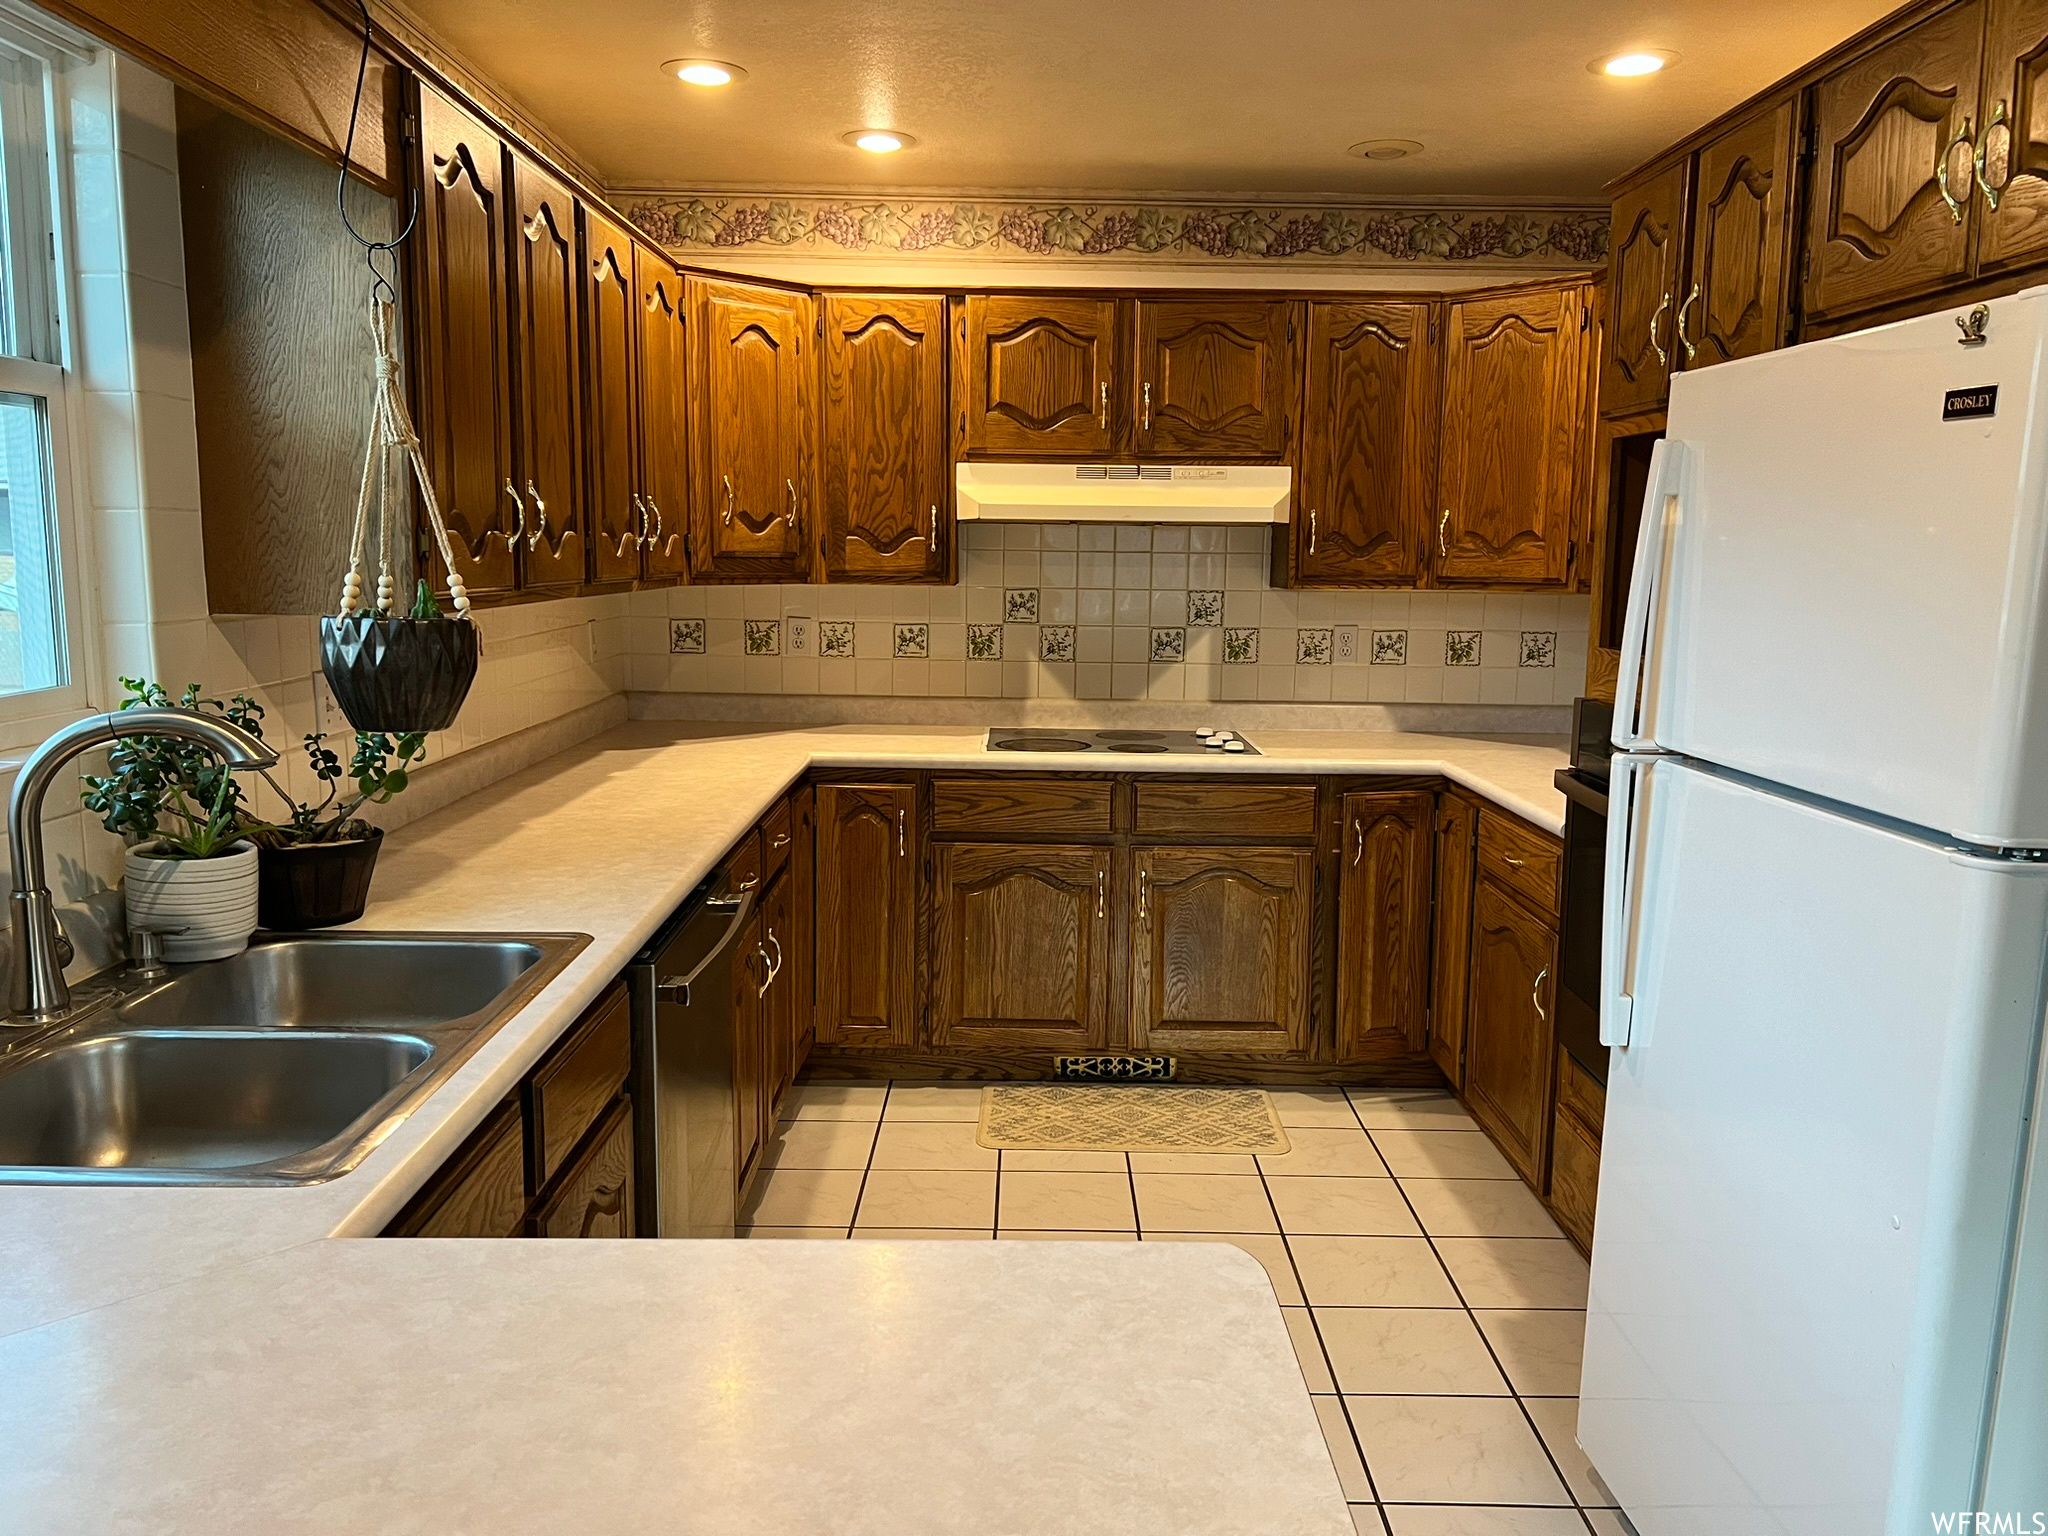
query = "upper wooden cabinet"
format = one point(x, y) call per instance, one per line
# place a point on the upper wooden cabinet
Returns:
point(750, 396)
point(1214, 377)
point(2012, 138)
point(546, 305)
point(1038, 376)
point(1646, 264)
point(662, 371)
point(886, 474)
point(1020, 945)
point(611, 319)
point(866, 914)
point(462, 345)
point(1367, 466)
point(1383, 939)
point(1512, 478)
point(1739, 277)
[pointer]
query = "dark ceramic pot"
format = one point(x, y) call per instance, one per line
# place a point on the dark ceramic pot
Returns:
point(399, 675)
point(315, 885)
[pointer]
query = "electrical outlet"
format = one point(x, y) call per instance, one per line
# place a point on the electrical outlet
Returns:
point(327, 715)
point(590, 641)
point(796, 632)
point(1347, 642)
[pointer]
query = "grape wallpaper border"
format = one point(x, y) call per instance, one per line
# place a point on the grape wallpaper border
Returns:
point(1179, 233)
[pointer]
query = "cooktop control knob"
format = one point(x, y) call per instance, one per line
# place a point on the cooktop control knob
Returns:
point(1231, 746)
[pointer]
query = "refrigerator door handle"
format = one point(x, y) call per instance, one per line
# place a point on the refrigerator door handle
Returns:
point(1668, 463)
point(1618, 931)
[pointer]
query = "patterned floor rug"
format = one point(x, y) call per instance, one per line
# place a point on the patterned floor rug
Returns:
point(1094, 1117)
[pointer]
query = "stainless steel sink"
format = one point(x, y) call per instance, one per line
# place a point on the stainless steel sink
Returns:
point(282, 1065)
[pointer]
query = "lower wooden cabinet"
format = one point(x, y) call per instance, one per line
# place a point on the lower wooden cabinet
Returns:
point(867, 914)
point(1383, 898)
point(1575, 1148)
point(1509, 1039)
point(1457, 854)
point(479, 1192)
point(1020, 945)
point(594, 1196)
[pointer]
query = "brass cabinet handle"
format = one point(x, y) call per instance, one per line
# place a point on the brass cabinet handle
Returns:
point(1101, 892)
point(1143, 894)
point(629, 539)
point(533, 539)
point(728, 499)
point(777, 971)
point(1510, 859)
point(1691, 350)
point(1145, 393)
point(1311, 530)
point(1357, 841)
point(1991, 125)
point(767, 970)
point(1656, 344)
point(1948, 150)
point(932, 538)
point(518, 528)
point(795, 517)
point(655, 537)
point(1442, 551)
point(902, 836)
point(1536, 994)
point(1102, 419)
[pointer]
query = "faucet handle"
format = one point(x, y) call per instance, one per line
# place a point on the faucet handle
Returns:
point(66, 950)
point(146, 950)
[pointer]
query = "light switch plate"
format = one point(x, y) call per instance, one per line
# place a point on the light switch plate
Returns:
point(1347, 642)
point(796, 633)
point(328, 719)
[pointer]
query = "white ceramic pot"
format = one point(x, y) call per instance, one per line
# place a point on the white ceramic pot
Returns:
point(212, 900)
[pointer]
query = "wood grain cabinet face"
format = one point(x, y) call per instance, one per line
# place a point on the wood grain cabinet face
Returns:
point(610, 320)
point(1020, 945)
point(2012, 136)
point(1646, 260)
point(1383, 938)
point(887, 501)
point(1220, 949)
point(1509, 1038)
point(1457, 838)
point(460, 318)
point(1880, 227)
point(1740, 287)
point(1039, 376)
point(1368, 444)
point(803, 929)
point(663, 365)
point(595, 1197)
point(1510, 479)
point(751, 400)
point(547, 301)
point(752, 1057)
point(481, 1192)
point(866, 914)
point(1215, 377)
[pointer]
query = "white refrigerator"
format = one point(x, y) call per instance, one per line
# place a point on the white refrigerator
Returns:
point(1819, 1294)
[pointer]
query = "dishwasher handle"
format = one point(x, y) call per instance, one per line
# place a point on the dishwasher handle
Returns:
point(676, 989)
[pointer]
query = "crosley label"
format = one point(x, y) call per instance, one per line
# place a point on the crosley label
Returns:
point(1962, 404)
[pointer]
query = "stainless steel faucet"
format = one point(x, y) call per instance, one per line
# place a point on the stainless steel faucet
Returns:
point(36, 991)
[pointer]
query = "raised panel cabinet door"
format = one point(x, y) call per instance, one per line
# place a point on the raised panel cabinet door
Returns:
point(546, 324)
point(1646, 259)
point(1888, 216)
point(1020, 945)
point(1368, 443)
point(1509, 477)
point(1457, 855)
point(749, 400)
point(661, 366)
point(1383, 938)
point(866, 914)
point(2012, 141)
point(750, 1057)
point(1215, 377)
point(610, 319)
point(803, 928)
point(887, 505)
point(1740, 285)
point(1220, 948)
point(595, 1197)
point(1040, 376)
point(460, 317)
point(778, 999)
point(1509, 1040)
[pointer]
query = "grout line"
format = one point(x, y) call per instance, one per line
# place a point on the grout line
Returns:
point(1131, 1178)
point(869, 1166)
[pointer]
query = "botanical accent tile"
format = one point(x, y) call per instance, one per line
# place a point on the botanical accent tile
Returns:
point(984, 642)
point(686, 637)
point(764, 637)
point(1312, 647)
point(1056, 642)
point(1539, 648)
point(835, 638)
point(1020, 605)
point(913, 642)
point(1241, 645)
point(1390, 647)
point(1169, 644)
point(1205, 610)
point(1461, 648)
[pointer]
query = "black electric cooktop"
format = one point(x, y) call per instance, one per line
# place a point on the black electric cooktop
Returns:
point(1211, 743)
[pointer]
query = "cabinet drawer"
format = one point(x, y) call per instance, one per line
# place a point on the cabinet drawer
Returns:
point(775, 840)
point(743, 864)
point(481, 1192)
point(571, 1088)
point(1008, 807)
point(595, 1197)
point(1265, 811)
point(1520, 857)
point(1581, 1095)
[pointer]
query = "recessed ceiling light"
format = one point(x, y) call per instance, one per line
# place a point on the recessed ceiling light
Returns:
point(878, 141)
point(710, 72)
point(1385, 149)
point(1636, 62)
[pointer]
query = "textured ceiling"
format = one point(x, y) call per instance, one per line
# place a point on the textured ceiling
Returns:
point(1234, 96)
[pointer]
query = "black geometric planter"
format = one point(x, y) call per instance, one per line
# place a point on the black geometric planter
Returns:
point(399, 675)
point(315, 885)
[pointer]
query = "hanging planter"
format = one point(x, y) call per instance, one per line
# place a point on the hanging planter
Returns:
point(399, 675)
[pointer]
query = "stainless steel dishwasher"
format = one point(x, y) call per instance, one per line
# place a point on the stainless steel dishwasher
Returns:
point(682, 989)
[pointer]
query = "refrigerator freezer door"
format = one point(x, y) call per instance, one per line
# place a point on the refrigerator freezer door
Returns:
point(1812, 1147)
point(1851, 599)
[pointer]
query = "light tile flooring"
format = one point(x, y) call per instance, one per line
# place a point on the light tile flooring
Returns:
point(1436, 1309)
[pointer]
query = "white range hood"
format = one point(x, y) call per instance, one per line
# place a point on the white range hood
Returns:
point(1124, 493)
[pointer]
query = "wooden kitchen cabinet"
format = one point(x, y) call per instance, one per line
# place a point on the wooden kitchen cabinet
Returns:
point(1646, 267)
point(886, 472)
point(803, 889)
point(1574, 1187)
point(1457, 855)
point(1219, 949)
point(867, 949)
point(1383, 931)
point(548, 484)
point(1020, 945)
point(480, 1191)
point(610, 322)
point(750, 412)
point(1368, 453)
point(1512, 482)
point(1739, 286)
point(2012, 135)
point(595, 1195)
point(1215, 377)
point(661, 394)
point(1509, 1036)
point(1039, 376)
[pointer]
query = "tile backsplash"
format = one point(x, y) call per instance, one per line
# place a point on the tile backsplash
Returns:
point(1095, 612)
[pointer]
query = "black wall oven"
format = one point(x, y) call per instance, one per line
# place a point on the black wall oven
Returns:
point(1584, 785)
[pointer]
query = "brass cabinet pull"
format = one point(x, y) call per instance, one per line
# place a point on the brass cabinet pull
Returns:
point(1536, 994)
point(1656, 344)
point(777, 971)
point(902, 836)
point(1991, 125)
point(767, 970)
point(655, 537)
point(1143, 894)
point(533, 539)
point(932, 538)
point(1357, 841)
point(1311, 530)
point(795, 517)
point(1101, 892)
point(1510, 860)
point(1102, 419)
point(1948, 151)
point(1691, 350)
point(1145, 393)
point(1442, 550)
point(518, 528)
point(630, 539)
point(728, 499)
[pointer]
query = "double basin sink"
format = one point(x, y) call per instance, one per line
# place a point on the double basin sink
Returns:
point(284, 1064)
